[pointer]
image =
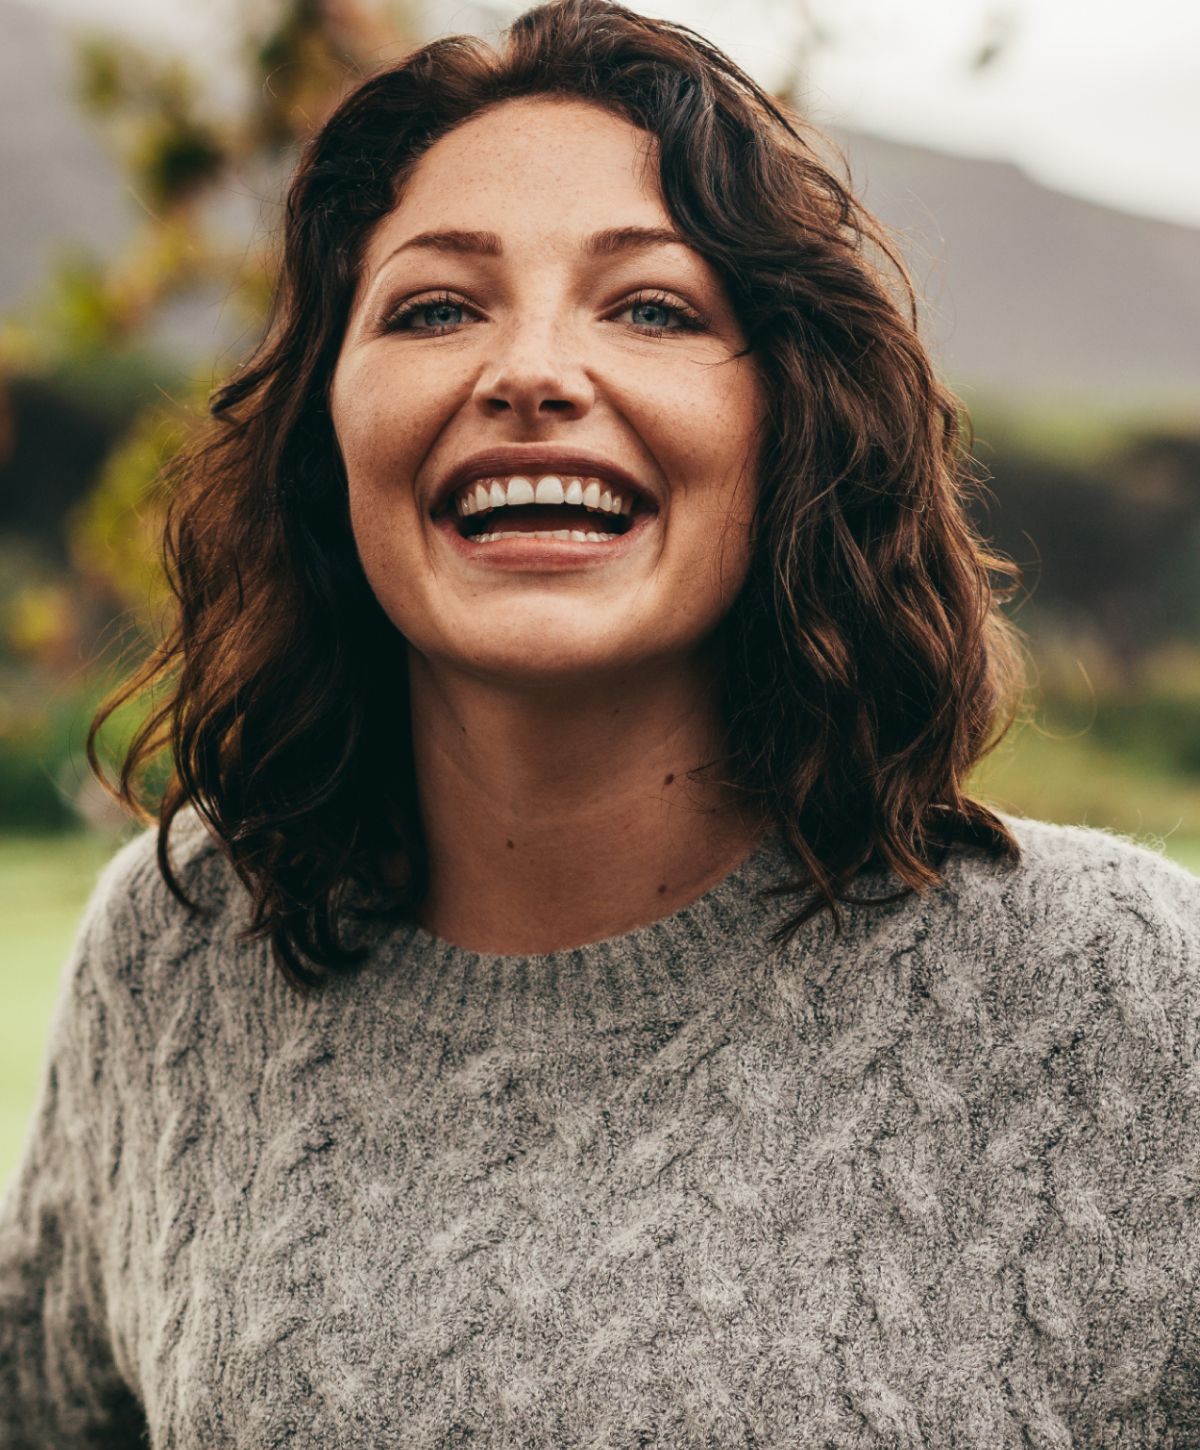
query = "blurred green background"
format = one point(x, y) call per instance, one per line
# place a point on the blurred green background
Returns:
point(1094, 457)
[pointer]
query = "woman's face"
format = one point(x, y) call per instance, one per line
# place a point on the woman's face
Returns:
point(513, 329)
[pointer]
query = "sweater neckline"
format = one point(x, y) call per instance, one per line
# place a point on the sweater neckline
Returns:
point(662, 964)
point(709, 915)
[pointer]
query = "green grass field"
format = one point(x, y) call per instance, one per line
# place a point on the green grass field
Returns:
point(45, 881)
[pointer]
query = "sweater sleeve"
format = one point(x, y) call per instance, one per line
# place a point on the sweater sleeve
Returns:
point(1169, 908)
point(1131, 1065)
point(61, 1383)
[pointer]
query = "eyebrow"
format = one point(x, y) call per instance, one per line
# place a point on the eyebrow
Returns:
point(607, 243)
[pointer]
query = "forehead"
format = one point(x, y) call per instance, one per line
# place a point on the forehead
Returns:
point(535, 165)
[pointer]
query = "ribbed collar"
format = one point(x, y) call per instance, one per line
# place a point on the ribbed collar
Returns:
point(666, 965)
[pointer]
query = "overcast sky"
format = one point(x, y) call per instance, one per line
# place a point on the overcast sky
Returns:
point(1093, 96)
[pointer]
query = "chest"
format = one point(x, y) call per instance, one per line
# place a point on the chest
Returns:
point(719, 1256)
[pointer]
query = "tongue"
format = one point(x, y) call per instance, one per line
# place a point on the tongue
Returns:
point(526, 518)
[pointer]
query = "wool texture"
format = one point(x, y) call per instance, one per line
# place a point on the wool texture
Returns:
point(933, 1181)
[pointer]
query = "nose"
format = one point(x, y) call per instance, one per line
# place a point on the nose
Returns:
point(536, 372)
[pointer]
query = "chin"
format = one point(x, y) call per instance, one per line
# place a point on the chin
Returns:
point(538, 661)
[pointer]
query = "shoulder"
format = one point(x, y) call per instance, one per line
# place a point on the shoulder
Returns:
point(133, 915)
point(1070, 884)
point(139, 955)
point(132, 883)
point(1072, 877)
point(1086, 913)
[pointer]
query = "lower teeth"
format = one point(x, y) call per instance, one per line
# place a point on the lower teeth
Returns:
point(577, 534)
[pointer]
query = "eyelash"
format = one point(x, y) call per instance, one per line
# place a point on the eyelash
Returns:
point(689, 319)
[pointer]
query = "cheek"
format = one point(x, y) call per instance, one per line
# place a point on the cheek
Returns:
point(380, 518)
point(381, 445)
point(386, 420)
point(702, 422)
point(709, 443)
point(377, 437)
point(707, 555)
point(711, 460)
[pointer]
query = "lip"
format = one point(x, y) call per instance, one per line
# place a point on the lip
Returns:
point(522, 553)
point(541, 458)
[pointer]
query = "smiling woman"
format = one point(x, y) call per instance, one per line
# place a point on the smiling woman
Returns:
point(577, 1003)
point(547, 359)
point(592, 363)
point(603, 259)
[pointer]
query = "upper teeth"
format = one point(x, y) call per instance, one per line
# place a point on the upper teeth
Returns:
point(494, 493)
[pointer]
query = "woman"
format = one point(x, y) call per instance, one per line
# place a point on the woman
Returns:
point(576, 599)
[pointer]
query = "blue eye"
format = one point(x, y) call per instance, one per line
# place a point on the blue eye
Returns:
point(442, 307)
point(401, 320)
point(679, 317)
point(652, 307)
point(438, 315)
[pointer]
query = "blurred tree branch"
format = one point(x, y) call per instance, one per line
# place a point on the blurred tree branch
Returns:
point(179, 156)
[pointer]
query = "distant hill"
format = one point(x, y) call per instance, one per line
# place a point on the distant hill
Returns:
point(1033, 295)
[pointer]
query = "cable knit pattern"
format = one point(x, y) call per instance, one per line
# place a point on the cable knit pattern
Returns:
point(933, 1182)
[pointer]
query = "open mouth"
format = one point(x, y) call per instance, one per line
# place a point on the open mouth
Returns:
point(582, 510)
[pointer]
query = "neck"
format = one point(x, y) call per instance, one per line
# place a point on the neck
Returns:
point(559, 816)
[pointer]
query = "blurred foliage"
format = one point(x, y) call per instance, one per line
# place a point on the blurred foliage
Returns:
point(180, 156)
point(298, 63)
point(115, 532)
point(89, 414)
point(37, 618)
point(1110, 543)
point(45, 781)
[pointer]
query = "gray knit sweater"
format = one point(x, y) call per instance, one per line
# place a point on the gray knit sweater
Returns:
point(933, 1183)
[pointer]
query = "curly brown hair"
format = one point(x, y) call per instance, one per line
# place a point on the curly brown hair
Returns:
point(867, 664)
